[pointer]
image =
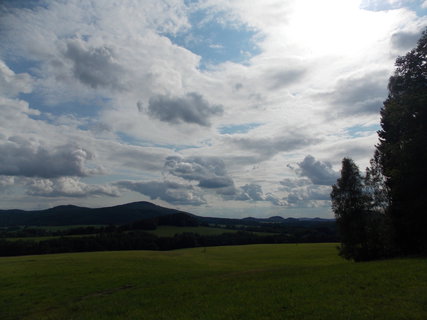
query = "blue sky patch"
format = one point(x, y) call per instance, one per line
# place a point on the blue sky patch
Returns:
point(127, 139)
point(77, 109)
point(376, 5)
point(238, 128)
point(217, 41)
point(359, 131)
point(25, 4)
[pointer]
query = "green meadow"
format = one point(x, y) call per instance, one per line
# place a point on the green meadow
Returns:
point(286, 281)
point(160, 231)
point(170, 231)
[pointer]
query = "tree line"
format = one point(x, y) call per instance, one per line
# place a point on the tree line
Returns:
point(383, 213)
point(142, 240)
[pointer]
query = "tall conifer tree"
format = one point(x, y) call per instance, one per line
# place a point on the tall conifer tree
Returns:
point(403, 148)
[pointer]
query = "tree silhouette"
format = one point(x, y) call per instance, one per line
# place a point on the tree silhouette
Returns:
point(403, 148)
point(350, 205)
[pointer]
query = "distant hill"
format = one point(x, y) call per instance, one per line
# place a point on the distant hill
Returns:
point(74, 215)
point(135, 212)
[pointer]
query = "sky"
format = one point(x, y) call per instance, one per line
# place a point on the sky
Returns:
point(228, 108)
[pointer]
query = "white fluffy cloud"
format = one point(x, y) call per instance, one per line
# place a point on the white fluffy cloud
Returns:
point(19, 158)
point(320, 173)
point(68, 187)
point(12, 84)
point(171, 192)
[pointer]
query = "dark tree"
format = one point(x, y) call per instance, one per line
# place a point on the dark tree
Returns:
point(350, 205)
point(376, 187)
point(403, 148)
point(378, 227)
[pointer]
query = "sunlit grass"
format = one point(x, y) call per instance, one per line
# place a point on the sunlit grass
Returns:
point(287, 281)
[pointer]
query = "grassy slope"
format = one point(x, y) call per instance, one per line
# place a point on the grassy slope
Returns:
point(244, 282)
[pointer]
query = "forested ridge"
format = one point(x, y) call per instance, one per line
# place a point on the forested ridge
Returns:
point(136, 235)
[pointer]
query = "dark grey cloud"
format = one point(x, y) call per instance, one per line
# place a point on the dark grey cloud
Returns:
point(142, 158)
point(403, 41)
point(359, 95)
point(237, 86)
point(216, 182)
point(253, 192)
point(283, 78)
point(356, 149)
point(95, 67)
point(302, 193)
point(19, 158)
point(250, 192)
point(308, 196)
point(209, 172)
point(289, 184)
point(171, 192)
point(68, 187)
point(273, 199)
point(228, 193)
point(191, 108)
point(266, 148)
point(320, 173)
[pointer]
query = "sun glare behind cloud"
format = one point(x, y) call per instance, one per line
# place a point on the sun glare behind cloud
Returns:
point(333, 27)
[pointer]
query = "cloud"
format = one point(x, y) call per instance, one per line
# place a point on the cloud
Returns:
point(268, 147)
point(250, 192)
point(95, 67)
point(192, 108)
point(68, 187)
point(12, 84)
point(253, 192)
point(283, 78)
point(308, 198)
point(137, 157)
point(6, 182)
point(379, 5)
point(320, 173)
point(301, 193)
point(171, 192)
point(274, 200)
point(209, 172)
point(403, 41)
point(18, 157)
point(356, 95)
point(288, 184)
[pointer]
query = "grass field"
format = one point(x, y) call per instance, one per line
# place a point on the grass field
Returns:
point(287, 281)
point(170, 231)
point(160, 231)
point(42, 238)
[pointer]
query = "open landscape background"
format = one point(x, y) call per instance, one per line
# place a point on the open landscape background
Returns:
point(143, 225)
point(243, 115)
